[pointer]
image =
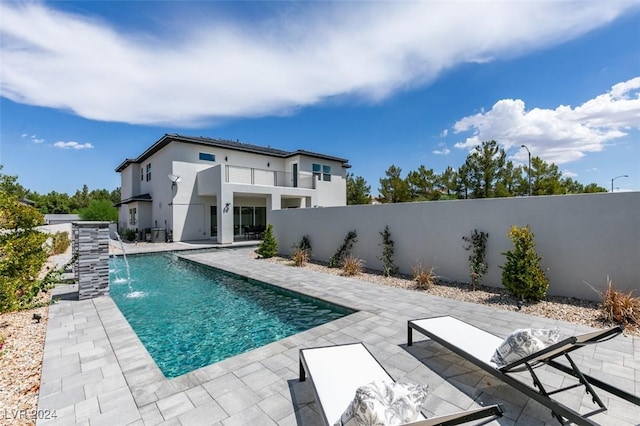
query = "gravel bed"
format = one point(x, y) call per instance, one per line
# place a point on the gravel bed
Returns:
point(561, 308)
point(21, 363)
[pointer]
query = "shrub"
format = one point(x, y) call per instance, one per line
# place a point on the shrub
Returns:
point(425, 278)
point(522, 274)
point(305, 244)
point(60, 242)
point(352, 266)
point(619, 307)
point(338, 258)
point(23, 253)
point(477, 243)
point(269, 246)
point(299, 256)
point(130, 235)
point(388, 266)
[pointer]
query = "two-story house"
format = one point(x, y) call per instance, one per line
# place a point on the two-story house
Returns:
point(201, 188)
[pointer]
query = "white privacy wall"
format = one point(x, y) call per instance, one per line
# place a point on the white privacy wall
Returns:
point(580, 238)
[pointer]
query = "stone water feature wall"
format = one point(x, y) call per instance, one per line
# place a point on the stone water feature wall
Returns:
point(91, 245)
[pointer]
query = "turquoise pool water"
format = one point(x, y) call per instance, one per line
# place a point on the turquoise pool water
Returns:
point(189, 316)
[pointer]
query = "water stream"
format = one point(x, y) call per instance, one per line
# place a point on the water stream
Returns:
point(126, 263)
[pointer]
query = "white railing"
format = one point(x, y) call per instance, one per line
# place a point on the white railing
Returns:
point(253, 176)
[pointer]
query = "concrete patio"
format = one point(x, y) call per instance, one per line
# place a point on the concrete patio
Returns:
point(96, 371)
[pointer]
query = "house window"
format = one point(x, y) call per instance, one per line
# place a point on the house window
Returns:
point(326, 173)
point(133, 213)
point(141, 174)
point(205, 156)
point(315, 168)
point(148, 172)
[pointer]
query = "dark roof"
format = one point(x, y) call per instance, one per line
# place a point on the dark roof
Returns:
point(223, 143)
point(141, 197)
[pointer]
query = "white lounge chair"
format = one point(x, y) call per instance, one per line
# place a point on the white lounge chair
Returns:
point(478, 346)
point(335, 372)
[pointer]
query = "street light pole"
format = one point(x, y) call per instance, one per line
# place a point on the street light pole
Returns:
point(529, 152)
point(617, 178)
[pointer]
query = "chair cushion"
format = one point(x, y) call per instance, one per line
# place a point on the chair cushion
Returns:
point(522, 343)
point(383, 403)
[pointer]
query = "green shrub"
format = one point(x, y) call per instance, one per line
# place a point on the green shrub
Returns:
point(23, 253)
point(305, 244)
point(338, 258)
point(269, 246)
point(100, 210)
point(130, 235)
point(522, 274)
point(60, 242)
point(388, 266)
point(477, 243)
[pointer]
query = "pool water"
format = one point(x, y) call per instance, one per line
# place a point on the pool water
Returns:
point(189, 316)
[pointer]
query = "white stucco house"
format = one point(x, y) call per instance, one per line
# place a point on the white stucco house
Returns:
point(202, 188)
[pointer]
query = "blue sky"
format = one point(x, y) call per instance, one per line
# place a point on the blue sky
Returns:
point(85, 85)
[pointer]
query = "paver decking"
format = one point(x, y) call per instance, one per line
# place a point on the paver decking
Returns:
point(96, 371)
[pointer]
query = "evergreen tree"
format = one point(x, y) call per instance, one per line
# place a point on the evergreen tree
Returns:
point(423, 184)
point(522, 274)
point(393, 188)
point(269, 246)
point(358, 192)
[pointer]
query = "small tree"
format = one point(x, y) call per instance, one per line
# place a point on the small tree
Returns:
point(269, 246)
point(388, 266)
point(522, 274)
point(101, 210)
point(338, 258)
point(477, 243)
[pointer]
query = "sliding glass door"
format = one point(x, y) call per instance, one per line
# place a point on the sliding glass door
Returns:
point(245, 216)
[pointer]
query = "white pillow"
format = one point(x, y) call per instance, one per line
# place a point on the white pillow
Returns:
point(383, 403)
point(522, 343)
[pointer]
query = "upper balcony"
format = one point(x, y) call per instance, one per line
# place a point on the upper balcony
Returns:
point(253, 176)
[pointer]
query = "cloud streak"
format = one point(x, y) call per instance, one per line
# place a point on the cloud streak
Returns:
point(221, 69)
point(558, 135)
point(72, 145)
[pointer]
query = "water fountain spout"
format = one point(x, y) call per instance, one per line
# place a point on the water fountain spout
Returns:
point(126, 262)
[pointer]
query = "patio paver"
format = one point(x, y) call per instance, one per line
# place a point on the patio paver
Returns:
point(96, 370)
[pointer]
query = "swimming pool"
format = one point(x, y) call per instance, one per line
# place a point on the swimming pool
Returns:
point(189, 315)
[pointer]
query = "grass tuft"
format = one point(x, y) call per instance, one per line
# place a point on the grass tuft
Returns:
point(351, 266)
point(425, 278)
point(621, 308)
point(300, 256)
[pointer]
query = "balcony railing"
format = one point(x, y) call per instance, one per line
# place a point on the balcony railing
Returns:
point(253, 176)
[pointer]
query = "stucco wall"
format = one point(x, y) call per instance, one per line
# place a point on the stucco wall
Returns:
point(579, 237)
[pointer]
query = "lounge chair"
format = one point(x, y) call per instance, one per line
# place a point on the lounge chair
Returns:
point(335, 372)
point(478, 346)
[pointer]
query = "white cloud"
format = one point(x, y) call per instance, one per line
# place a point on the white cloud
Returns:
point(72, 145)
point(309, 53)
point(561, 135)
point(32, 138)
point(442, 147)
point(569, 173)
point(444, 133)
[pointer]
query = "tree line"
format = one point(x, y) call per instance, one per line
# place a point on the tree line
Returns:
point(97, 204)
point(486, 173)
